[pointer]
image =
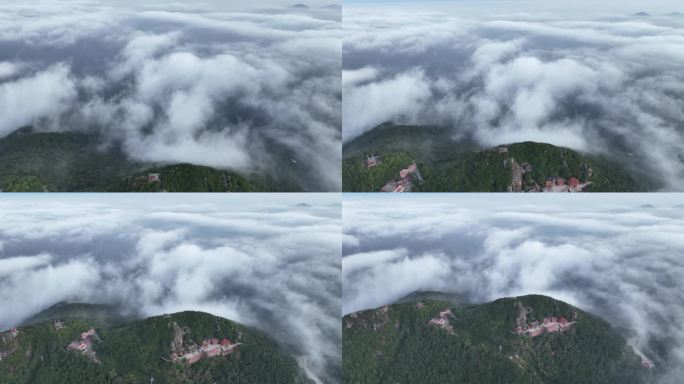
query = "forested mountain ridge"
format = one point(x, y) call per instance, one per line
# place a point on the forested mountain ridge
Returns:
point(32, 161)
point(529, 339)
point(446, 164)
point(186, 347)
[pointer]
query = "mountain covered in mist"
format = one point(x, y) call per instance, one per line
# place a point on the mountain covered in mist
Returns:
point(447, 165)
point(74, 161)
point(78, 343)
point(529, 339)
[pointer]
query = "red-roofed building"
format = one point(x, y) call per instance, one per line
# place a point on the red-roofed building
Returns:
point(193, 357)
point(79, 345)
point(213, 350)
point(573, 182)
point(440, 322)
point(226, 342)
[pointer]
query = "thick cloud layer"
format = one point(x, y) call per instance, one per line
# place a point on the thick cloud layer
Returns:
point(273, 265)
point(612, 255)
point(608, 84)
point(202, 82)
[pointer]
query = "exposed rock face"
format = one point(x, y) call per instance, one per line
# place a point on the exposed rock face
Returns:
point(177, 343)
point(442, 320)
point(522, 315)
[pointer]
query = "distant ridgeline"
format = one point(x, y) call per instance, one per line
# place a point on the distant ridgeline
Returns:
point(393, 158)
point(78, 343)
point(75, 161)
point(529, 339)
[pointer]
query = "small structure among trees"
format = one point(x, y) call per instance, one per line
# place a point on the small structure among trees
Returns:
point(209, 348)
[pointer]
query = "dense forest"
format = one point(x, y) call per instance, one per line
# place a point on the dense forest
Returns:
point(396, 344)
point(450, 165)
point(76, 161)
point(137, 351)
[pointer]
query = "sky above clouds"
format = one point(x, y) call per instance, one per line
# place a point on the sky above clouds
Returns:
point(273, 264)
point(617, 256)
point(237, 85)
point(597, 78)
point(586, 7)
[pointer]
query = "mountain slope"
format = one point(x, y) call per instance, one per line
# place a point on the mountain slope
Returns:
point(137, 351)
point(449, 165)
point(97, 314)
point(479, 344)
point(76, 161)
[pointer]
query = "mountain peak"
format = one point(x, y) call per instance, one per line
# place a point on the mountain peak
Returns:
point(526, 339)
point(135, 349)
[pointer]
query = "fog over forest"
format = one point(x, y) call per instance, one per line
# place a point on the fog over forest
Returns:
point(618, 256)
point(273, 265)
point(245, 86)
point(603, 79)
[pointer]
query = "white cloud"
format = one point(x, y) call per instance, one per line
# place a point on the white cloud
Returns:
point(354, 77)
point(45, 94)
point(371, 104)
point(9, 69)
point(55, 282)
point(244, 90)
point(17, 264)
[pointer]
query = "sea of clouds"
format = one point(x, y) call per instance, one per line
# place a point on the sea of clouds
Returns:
point(618, 256)
point(273, 265)
point(602, 79)
point(246, 86)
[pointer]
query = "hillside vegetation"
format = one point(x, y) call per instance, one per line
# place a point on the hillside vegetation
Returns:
point(450, 165)
point(76, 161)
point(136, 351)
point(397, 344)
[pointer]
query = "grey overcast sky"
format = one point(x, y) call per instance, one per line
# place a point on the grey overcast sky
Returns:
point(588, 7)
point(215, 4)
